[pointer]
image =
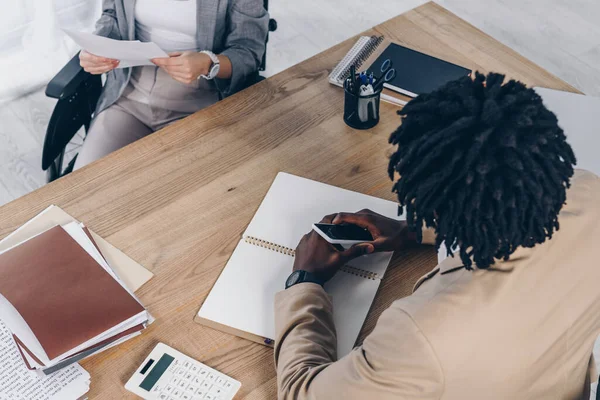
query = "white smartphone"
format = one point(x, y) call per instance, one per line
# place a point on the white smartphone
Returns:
point(344, 235)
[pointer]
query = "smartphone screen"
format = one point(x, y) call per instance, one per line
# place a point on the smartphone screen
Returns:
point(345, 232)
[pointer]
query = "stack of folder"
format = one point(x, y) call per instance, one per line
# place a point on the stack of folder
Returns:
point(62, 302)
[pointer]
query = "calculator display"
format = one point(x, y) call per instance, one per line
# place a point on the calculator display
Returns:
point(158, 370)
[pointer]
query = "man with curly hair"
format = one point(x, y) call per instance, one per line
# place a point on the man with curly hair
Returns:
point(483, 167)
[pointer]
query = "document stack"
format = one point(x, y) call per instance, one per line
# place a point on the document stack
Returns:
point(61, 301)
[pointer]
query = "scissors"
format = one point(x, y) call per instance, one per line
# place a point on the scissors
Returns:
point(387, 74)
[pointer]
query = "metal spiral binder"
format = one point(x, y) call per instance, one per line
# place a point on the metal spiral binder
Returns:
point(291, 252)
point(360, 272)
point(360, 52)
point(270, 246)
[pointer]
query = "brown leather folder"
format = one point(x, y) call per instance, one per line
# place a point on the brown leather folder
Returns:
point(99, 346)
point(61, 292)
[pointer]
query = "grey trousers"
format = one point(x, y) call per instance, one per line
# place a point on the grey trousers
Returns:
point(151, 101)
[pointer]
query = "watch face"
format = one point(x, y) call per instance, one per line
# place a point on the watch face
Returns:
point(214, 71)
point(293, 279)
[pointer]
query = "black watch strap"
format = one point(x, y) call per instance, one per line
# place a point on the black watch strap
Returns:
point(301, 277)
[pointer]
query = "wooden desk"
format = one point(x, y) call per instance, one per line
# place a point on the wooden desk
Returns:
point(179, 200)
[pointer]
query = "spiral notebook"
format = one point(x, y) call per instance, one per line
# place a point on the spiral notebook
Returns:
point(242, 300)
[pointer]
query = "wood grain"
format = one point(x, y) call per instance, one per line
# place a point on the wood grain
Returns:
point(178, 200)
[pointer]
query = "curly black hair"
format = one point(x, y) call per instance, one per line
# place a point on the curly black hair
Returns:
point(485, 164)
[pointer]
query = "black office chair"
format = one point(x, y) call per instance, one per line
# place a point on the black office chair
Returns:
point(77, 92)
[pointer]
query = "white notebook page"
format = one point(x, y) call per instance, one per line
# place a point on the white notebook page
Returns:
point(293, 204)
point(243, 296)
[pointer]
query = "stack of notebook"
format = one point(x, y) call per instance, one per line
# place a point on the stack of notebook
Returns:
point(416, 72)
point(61, 301)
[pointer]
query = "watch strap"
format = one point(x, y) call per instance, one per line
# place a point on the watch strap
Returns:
point(212, 56)
point(213, 67)
point(302, 277)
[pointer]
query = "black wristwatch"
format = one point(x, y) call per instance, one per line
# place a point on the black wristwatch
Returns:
point(300, 277)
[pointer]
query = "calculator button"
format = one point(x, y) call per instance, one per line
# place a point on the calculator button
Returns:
point(163, 396)
point(209, 396)
point(216, 390)
point(169, 388)
point(180, 372)
point(191, 389)
point(182, 384)
point(203, 373)
point(186, 396)
point(194, 368)
point(177, 393)
point(189, 376)
point(174, 381)
point(197, 381)
point(157, 388)
point(205, 385)
point(227, 385)
point(212, 377)
point(173, 366)
point(186, 365)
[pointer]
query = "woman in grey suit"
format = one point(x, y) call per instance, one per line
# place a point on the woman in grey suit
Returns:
point(213, 46)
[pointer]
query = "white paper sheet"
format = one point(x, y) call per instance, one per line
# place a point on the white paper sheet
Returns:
point(17, 382)
point(130, 53)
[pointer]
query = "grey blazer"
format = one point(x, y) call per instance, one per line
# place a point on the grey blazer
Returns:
point(234, 28)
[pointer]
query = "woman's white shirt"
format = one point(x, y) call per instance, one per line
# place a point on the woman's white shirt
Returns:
point(171, 24)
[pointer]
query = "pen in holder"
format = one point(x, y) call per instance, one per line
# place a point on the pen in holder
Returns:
point(361, 111)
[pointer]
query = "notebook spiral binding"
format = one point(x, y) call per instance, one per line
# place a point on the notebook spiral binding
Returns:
point(270, 246)
point(360, 272)
point(361, 51)
point(291, 252)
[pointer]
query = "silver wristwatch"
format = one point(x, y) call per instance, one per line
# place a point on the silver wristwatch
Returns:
point(214, 69)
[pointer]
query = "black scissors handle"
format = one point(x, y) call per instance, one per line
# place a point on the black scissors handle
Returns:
point(386, 65)
point(389, 75)
point(387, 72)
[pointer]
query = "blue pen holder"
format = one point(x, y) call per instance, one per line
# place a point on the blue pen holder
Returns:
point(361, 112)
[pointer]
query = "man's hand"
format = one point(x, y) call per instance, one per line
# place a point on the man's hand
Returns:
point(388, 234)
point(314, 254)
point(96, 65)
point(185, 67)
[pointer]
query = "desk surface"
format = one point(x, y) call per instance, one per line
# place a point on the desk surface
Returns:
point(179, 200)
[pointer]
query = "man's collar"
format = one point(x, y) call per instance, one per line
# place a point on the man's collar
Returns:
point(451, 264)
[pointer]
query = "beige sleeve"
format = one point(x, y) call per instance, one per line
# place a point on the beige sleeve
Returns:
point(395, 361)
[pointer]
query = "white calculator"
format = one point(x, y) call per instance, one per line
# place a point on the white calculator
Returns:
point(167, 374)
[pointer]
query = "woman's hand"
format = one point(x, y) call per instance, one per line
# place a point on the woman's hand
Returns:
point(388, 234)
point(185, 67)
point(314, 254)
point(96, 65)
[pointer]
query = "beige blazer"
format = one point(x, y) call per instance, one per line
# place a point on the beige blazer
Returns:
point(523, 329)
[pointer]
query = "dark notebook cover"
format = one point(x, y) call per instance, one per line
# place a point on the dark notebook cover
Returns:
point(416, 73)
